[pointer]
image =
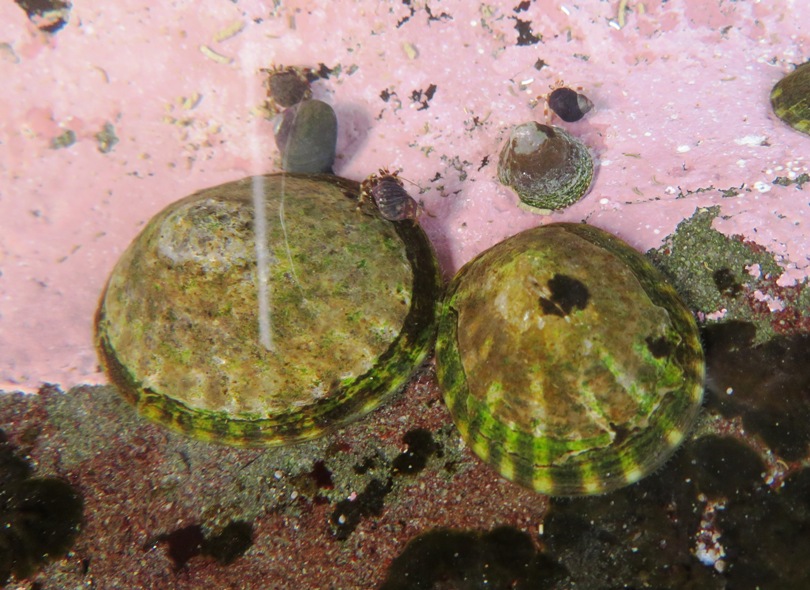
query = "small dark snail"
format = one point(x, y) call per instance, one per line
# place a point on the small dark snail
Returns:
point(286, 86)
point(790, 98)
point(546, 166)
point(389, 195)
point(568, 104)
point(306, 136)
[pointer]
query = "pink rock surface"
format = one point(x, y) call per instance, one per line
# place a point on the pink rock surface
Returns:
point(682, 114)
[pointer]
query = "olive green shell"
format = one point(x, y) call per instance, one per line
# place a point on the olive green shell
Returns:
point(352, 298)
point(568, 362)
point(790, 98)
point(546, 166)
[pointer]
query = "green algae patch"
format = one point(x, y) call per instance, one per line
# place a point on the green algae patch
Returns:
point(568, 362)
point(351, 309)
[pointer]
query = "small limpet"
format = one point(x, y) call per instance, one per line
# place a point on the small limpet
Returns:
point(567, 361)
point(790, 98)
point(306, 136)
point(546, 166)
point(352, 302)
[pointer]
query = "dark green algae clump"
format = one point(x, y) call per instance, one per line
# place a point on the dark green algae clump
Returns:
point(568, 362)
point(352, 302)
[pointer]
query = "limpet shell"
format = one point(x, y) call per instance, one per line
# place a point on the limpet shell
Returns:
point(790, 98)
point(546, 166)
point(352, 306)
point(568, 362)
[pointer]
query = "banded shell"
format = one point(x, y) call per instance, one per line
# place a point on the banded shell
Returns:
point(790, 98)
point(352, 302)
point(568, 362)
point(546, 166)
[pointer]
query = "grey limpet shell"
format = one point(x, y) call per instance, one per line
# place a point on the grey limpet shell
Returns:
point(546, 166)
point(568, 362)
point(353, 301)
point(790, 98)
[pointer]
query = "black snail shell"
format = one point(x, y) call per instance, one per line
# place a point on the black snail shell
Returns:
point(568, 104)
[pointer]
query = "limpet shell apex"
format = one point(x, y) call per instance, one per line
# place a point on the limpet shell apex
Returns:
point(790, 98)
point(546, 166)
point(352, 305)
point(568, 362)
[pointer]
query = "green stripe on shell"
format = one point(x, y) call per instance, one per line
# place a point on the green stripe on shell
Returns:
point(352, 318)
point(567, 361)
point(790, 98)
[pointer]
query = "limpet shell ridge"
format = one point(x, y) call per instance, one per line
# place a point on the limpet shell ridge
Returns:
point(353, 308)
point(567, 361)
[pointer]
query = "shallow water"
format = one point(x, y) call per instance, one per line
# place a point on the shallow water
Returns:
point(126, 108)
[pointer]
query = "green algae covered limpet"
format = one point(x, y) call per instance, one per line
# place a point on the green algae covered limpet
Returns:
point(568, 362)
point(790, 98)
point(351, 302)
point(546, 166)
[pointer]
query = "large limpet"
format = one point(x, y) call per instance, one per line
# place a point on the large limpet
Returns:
point(568, 362)
point(790, 98)
point(352, 306)
point(546, 166)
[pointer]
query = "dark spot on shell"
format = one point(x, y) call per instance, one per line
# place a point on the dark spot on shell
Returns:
point(306, 136)
point(659, 347)
point(568, 104)
point(567, 294)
